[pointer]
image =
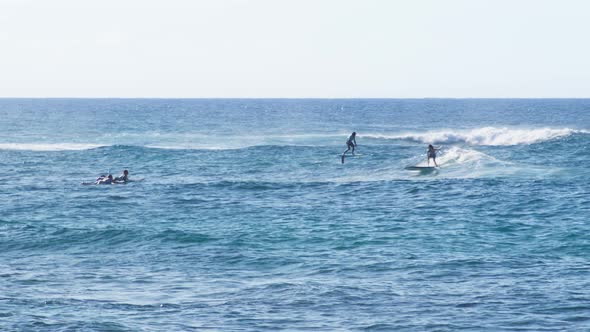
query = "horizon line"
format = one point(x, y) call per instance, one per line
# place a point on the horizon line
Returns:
point(296, 98)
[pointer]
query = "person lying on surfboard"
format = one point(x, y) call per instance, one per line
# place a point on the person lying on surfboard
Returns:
point(105, 180)
point(350, 143)
point(432, 154)
point(123, 177)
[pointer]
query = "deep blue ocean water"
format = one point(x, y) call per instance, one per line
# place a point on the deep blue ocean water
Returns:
point(246, 220)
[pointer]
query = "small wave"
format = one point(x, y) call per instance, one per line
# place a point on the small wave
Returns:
point(48, 146)
point(456, 155)
point(244, 142)
point(227, 141)
point(189, 147)
point(228, 147)
point(182, 237)
point(460, 162)
point(491, 136)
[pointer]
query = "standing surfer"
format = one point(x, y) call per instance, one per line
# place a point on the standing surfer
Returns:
point(432, 154)
point(350, 143)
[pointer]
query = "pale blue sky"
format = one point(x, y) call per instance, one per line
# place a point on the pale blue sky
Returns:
point(295, 48)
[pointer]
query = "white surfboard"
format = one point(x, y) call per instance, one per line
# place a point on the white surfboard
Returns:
point(420, 168)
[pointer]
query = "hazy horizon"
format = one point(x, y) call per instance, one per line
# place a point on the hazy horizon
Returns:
point(327, 49)
point(296, 98)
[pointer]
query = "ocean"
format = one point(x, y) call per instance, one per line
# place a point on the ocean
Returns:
point(245, 219)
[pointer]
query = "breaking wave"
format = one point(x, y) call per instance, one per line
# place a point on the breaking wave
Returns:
point(485, 136)
point(48, 146)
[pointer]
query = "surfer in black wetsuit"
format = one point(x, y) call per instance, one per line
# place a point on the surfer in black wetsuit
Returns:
point(123, 178)
point(432, 154)
point(350, 144)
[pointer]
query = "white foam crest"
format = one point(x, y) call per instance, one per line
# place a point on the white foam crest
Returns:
point(484, 136)
point(48, 146)
point(456, 155)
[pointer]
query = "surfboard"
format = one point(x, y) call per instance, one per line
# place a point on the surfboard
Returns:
point(97, 184)
point(114, 182)
point(420, 168)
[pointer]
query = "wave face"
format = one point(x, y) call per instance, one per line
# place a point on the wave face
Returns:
point(487, 136)
point(244, 218)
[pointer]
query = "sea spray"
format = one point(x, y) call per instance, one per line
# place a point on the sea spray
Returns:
point(490, 136)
